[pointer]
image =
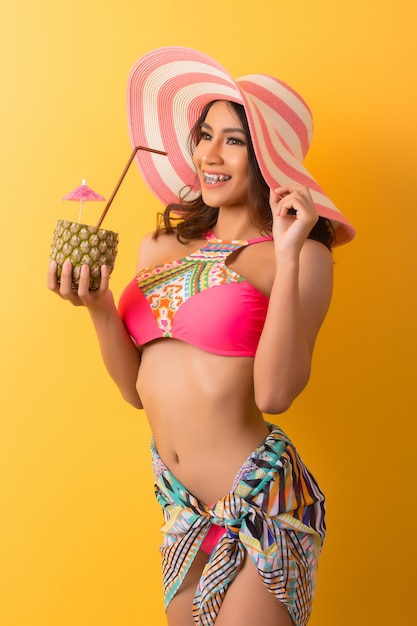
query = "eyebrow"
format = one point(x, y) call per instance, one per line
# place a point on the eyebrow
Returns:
point(225, 130)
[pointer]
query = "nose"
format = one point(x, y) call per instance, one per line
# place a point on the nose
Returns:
point(212, 152)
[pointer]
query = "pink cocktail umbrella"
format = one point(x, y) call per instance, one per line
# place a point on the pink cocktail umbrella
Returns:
point(83, 193)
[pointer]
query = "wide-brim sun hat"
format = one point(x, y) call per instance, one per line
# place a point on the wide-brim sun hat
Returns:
point(167, 91)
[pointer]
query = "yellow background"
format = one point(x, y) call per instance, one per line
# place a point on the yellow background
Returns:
point(79, 527)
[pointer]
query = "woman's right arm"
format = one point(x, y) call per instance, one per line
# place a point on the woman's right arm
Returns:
point(120, 355)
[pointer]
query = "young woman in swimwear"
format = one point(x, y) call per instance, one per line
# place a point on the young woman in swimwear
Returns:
point(217, 328)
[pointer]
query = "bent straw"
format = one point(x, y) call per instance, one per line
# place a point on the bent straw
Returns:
point(116, 189)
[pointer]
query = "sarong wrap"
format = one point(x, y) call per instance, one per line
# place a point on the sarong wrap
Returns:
point(274, 513)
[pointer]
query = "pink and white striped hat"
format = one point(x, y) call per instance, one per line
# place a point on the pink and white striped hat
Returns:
point(167, 90)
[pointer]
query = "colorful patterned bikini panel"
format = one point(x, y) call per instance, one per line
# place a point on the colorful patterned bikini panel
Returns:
point(274, 513)
point(168, 286)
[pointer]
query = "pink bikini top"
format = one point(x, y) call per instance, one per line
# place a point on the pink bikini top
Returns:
point(197, 299)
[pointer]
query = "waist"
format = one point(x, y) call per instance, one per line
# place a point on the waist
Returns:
point(207, 466)
point(201, 411)
point(214, 477)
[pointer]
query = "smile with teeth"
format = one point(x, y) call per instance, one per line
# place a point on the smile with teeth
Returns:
point(212, 179)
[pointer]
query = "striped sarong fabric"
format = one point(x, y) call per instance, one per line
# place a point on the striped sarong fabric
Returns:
point(273, 514)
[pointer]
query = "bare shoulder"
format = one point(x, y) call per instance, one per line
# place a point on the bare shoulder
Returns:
point(152, 250)
point(162, 249)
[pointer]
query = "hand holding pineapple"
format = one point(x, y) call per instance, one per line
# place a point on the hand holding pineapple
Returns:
point(82, 296)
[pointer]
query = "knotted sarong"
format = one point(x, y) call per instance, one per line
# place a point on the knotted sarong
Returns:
point(274, 514)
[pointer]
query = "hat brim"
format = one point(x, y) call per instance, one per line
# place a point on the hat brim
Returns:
point(167, 90)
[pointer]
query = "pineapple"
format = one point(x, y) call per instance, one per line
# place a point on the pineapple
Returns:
point(83, 245)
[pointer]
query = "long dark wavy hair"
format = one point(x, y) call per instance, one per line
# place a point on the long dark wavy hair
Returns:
point(190, 219)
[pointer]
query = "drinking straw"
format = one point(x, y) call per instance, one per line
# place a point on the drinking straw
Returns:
point(119, 182)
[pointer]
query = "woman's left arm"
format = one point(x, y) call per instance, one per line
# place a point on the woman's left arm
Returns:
point(299, 300)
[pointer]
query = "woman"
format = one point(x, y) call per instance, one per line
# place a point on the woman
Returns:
point(217, 328)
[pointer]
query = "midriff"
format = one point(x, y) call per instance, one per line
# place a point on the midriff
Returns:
point(202, 413)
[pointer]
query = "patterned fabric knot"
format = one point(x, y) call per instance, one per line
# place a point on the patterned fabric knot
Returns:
point(229, 510)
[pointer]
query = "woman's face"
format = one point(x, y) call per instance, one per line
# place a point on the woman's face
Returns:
point(221, 158)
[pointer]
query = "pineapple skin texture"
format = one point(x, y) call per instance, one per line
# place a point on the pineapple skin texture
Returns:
point(83, 245)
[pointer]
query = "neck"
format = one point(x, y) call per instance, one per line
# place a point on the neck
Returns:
point(235, 225)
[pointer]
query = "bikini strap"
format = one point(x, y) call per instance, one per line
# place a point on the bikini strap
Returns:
point(210, 235)
point(259, 239)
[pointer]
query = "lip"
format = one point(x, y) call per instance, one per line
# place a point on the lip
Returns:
point(211, 179)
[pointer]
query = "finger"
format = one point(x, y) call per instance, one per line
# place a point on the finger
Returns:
point(283, 197)
point(283, 190)
point(297, 191)
point(66, 289)
point(52, 281)
point(105, 279)
point(288, 206)
point(274, 195)
point(276, 203)
point(84, 282)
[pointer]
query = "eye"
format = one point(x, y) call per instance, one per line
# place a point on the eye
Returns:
point(235, 141)
point(204, 136)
